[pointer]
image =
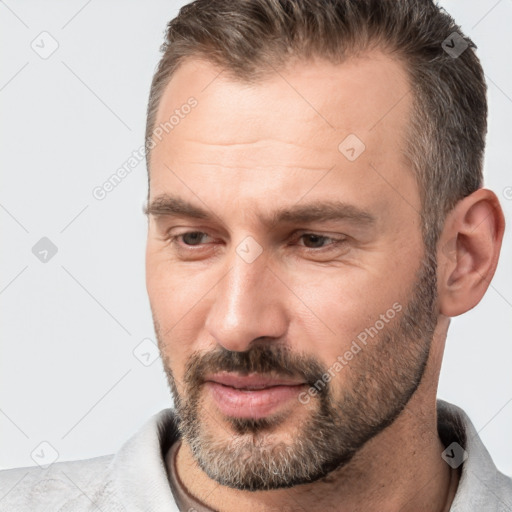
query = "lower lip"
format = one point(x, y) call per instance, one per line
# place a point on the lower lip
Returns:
point(254, 403)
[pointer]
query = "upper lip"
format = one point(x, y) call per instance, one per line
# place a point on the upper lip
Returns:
point(251, 381)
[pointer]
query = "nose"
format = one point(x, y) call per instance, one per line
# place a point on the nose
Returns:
point(248, 303)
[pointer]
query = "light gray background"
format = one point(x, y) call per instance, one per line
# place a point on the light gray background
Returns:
point(69, 326)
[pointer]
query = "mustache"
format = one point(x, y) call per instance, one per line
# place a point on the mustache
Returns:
point(265, 359)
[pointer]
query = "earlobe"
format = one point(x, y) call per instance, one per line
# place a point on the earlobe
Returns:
point(468, 251)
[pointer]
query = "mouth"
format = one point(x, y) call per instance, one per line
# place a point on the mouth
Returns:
point(252, 381)
point(251, 396)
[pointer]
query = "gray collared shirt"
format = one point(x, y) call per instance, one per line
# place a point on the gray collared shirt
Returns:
point(136, 478)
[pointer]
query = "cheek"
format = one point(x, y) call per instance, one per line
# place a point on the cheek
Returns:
point(164, 283)
point(175, 296)
point(341, 306)
point(177, 305)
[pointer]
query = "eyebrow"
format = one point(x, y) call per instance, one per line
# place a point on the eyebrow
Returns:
point(173, 206)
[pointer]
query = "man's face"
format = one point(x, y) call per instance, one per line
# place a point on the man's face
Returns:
point(339, 307)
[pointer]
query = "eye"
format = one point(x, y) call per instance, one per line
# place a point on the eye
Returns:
point(312, 242)
point(316, 241)
point(189, 239)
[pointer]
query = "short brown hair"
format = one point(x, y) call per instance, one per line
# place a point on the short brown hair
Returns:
point(446, 135)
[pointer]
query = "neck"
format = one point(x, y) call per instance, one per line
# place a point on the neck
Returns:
point(399, 469)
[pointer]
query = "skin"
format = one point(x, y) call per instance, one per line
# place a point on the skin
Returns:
point(246, 151)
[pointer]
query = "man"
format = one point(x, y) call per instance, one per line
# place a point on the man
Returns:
point(315, 218)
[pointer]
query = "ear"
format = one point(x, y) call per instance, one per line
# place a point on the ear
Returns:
point(468, 251)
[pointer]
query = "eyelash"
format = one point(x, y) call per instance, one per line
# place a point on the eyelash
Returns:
point(174, 240)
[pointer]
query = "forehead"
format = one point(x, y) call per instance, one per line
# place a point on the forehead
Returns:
point(369, 92)
point(297, 122)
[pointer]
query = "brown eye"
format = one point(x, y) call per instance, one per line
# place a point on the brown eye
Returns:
point(313, 241)
point(192, 237)
point(316, 241)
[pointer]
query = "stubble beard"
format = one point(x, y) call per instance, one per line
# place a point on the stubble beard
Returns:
point(251, 454)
